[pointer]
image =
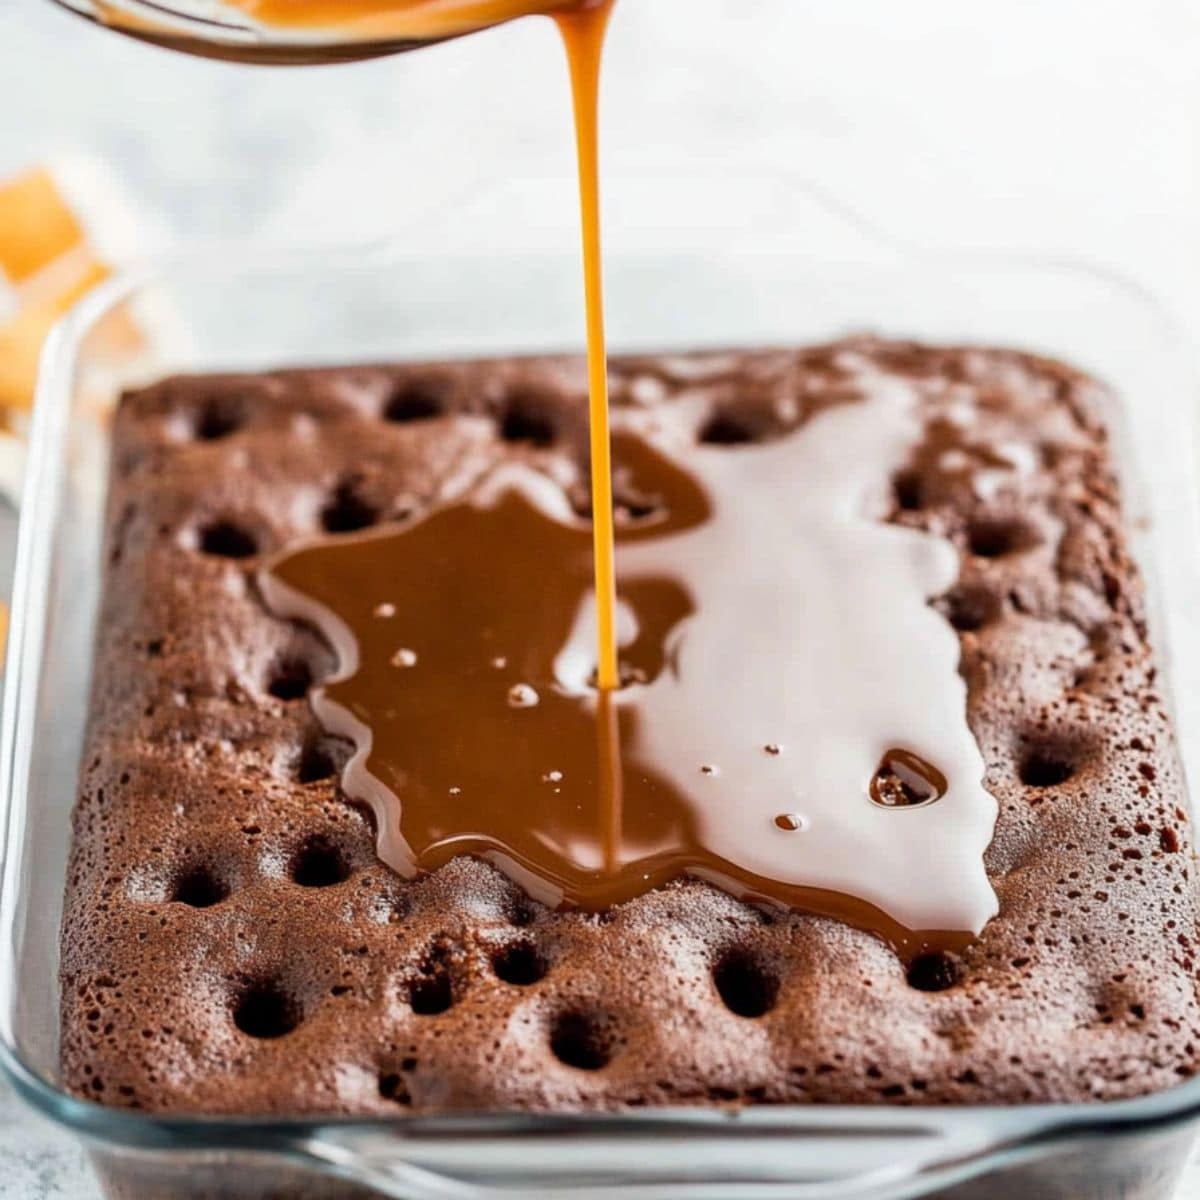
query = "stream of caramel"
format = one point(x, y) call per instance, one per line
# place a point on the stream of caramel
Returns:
point(583, 36)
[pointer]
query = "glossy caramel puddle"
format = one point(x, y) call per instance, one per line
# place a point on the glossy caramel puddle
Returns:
point(752, 745)
point(472, 683)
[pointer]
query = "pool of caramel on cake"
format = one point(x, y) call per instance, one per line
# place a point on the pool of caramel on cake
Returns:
point(468, 683)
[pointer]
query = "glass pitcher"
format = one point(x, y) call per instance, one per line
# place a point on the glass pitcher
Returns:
point(304, 31)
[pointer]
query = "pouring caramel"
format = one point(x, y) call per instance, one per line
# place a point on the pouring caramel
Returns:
point(582, 25)
point(792, 728)
point(583, 36)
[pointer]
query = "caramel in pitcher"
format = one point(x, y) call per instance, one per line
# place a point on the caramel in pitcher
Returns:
point(424, 20)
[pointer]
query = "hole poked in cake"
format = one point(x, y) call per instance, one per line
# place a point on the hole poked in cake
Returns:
point(995, 537)
point(934, 972)
point(415, 400)
point(319, 863)
point(393, 1087)
point(316, 764)
point(291, 678)
point(969, 607)
point(430, 995)
point(582, 1039)
point(1047, 757)
point(748, 411)
point(633, 504)
point(321, 758)
point(265, 1008)
point(629, 510)
point(908, 491)
point(726, 427)
point(226, 538)
point(199, 886)
point(431, 990)
point(745, 984)
point(303, 661)
point(218, 417)
point(528, 416)
point(347, 509)
point(519, 963)
point(631, 507)
point(1045, 766)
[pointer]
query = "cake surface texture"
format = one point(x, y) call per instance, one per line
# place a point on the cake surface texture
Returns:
point(232, 944)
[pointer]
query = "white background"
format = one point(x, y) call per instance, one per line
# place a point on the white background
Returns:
point(1060, 126)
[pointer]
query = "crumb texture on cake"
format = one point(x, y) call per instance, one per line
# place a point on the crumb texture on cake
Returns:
point(231, 944)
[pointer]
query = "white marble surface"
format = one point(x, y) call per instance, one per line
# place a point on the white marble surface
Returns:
point(1057, 126)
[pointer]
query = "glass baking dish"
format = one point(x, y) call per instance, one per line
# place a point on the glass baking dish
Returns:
point(239, 309)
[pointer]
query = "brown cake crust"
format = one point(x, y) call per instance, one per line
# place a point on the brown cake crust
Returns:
point(232, 945)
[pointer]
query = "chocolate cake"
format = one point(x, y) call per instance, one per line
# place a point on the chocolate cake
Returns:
point(232, 942)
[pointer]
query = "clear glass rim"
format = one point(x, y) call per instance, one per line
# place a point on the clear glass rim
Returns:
point(237, 39)
point(989, 1133)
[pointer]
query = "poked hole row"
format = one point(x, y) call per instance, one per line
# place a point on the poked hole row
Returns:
point(318, 862)
point(583, 1037)
point(580, 1038)
point(525, 414)
point(524, 417)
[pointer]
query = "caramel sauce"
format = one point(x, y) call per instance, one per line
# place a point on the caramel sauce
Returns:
point(583, 37)
point(425, 20)
point(466, 683)
point(468, 660)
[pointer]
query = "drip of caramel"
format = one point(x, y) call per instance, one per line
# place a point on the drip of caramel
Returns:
point(778, 652)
